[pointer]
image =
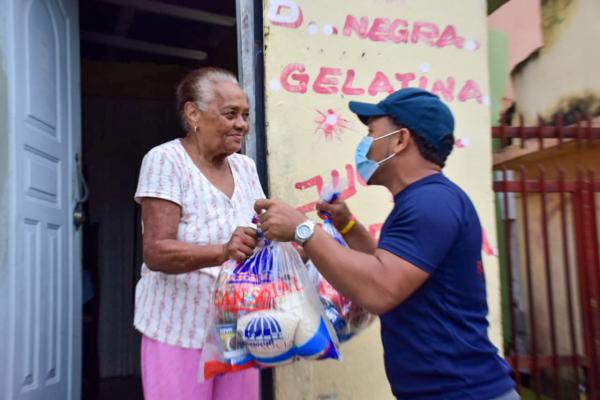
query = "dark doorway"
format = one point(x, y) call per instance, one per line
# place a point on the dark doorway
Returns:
point(133, 53)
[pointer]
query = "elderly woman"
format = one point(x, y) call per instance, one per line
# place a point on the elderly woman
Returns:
point(196, 193)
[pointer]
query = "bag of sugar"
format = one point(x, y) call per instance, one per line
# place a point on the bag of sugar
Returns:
point(265, 312)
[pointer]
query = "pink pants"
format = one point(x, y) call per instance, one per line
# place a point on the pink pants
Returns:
point(170, 372)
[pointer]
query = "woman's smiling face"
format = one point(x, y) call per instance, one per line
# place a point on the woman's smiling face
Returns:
point(225, 119)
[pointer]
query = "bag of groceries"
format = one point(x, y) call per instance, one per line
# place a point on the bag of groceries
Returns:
point(265, 312)
point(347, 318)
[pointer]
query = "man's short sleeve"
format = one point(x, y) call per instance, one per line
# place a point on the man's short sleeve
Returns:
point(159, 177)
point(423, 227)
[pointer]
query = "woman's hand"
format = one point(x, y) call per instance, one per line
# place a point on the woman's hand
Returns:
point(340, 214)
point(241, 245)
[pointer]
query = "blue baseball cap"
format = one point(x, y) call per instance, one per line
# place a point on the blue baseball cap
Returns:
point(421, 112)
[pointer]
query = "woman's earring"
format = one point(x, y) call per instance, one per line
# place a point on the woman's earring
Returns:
point(196, 129)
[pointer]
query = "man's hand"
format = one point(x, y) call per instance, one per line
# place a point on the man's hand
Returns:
point(280, 220)
point(241, 245)
point(340, 214)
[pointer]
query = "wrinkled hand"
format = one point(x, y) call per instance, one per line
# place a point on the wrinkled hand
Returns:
point(241, 245)
point(340, 214)
point(280, 220)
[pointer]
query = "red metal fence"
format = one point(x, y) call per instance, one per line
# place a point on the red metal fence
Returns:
point(573, 235)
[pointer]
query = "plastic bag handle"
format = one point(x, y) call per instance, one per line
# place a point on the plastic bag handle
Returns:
point(333, 198)
point(255, 221)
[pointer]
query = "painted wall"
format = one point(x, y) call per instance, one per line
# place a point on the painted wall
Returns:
point(551, 41)
point(4, 189)
point(320, 55)
point(564, 74)
point(521, 21)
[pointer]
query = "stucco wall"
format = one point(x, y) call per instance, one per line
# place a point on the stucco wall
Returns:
point(564, 74)
point(320, 55)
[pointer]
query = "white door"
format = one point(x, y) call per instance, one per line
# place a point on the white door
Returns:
point(43, 354)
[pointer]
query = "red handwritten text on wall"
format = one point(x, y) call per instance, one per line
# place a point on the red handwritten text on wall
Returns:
point(350, 190)
point(294, 79)
point(287, 13)
point(400, 31)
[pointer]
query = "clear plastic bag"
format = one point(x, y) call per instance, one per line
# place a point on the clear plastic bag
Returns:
point(265, 312)
point(347, 318)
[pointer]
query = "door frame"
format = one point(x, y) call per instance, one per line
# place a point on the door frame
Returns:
point(249, 22)
point(8, 215)
point(251, 77)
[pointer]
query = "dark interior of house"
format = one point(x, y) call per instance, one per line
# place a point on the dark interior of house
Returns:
point(133, 54)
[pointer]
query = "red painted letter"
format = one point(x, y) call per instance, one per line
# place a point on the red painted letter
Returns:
point(348, 89)
point(380, 83)
point(292, 20)
point(446, 91)
point(322, 79)
point(351, 189)
point(302, 78)
point(486, 246)
point(379, 30)
point(402, 36)
point(423, 82)
point(419, 35)
point(316, 181)
point(470, 91)
point(374, 230)
point(405, 79)
point(449, 38)
point(352, 25)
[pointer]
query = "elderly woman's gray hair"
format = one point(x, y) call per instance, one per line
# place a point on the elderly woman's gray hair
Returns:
point(197, 87)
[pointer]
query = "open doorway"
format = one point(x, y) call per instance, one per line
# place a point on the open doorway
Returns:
point(133, 53)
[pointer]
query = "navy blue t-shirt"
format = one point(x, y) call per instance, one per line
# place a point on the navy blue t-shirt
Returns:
point(435, 342)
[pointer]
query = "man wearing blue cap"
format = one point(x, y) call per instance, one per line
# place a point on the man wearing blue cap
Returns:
point(425, 276)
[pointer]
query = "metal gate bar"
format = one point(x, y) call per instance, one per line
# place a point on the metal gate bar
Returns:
point(582, 231)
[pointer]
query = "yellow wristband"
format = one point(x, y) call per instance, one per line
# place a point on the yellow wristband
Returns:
point(349, 226)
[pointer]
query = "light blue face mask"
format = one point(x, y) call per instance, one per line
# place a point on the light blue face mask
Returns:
point(365, 167)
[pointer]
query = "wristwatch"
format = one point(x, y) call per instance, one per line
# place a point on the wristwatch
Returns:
point(304, 232)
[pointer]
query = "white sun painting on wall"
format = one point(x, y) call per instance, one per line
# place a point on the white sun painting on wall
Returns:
point(331, 125)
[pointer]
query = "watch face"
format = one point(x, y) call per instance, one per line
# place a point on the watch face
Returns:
point(304, 231)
